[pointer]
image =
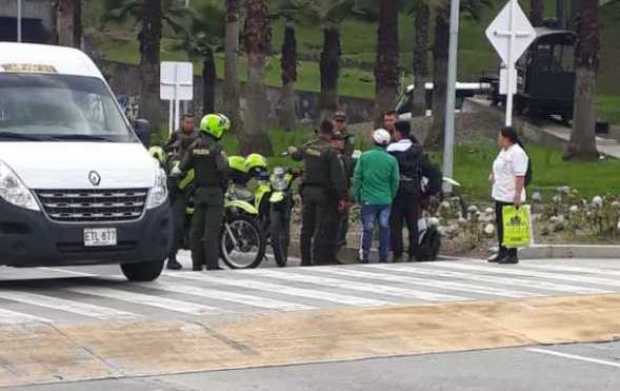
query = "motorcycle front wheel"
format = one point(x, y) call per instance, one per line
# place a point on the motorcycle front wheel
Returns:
point(280, 238)
point(242, 245)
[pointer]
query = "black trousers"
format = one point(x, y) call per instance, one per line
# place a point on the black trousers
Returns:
point(405, 212)
point(319, 227)
point(179, 204)
point(206, 227)
point(499, 218)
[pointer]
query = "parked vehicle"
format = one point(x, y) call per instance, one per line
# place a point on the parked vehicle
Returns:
point(77, 187)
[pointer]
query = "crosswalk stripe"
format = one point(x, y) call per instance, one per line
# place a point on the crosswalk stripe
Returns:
point(147, 300)
point(84, 309)
point(572, 269)
point(249, 300)
point(515, 271)
point(506, 281)
point(12, 318)
point(357, 286)
point(283, 290)
point(458, 286)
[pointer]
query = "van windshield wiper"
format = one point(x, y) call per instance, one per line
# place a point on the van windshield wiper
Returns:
point(79, 137)
point(22, 136)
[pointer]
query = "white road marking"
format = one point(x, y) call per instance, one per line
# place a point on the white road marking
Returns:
point(515, 271)
point(506, 281)
point(572, 269)
point(84, 309)
point(148, 300)
point(575, 357)
point(249, 300)
point(12, 318)
point(358, 286)
point(283, 289)
point(471, 288)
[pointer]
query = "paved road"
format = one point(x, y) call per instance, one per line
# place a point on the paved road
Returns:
point(75, 295)
point(556, 368)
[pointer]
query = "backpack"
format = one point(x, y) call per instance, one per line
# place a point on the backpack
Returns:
point(434, 176)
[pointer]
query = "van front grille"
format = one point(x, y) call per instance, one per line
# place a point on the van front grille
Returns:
point(74, 206)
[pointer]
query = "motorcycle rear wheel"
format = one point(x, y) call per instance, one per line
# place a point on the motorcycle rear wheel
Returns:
point(280, 238)
point(242, 245)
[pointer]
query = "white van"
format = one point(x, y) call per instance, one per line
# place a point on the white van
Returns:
point(77, 187)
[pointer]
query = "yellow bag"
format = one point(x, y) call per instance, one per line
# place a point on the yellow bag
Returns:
point(517, 222)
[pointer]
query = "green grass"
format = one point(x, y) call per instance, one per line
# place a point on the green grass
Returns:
point(609, 108)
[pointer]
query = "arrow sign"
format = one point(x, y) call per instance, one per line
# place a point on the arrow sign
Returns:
point(510, 34)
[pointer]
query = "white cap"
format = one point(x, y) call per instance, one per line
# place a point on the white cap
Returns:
point(381, 137)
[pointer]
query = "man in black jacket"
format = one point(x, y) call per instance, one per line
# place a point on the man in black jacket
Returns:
point(413, 164)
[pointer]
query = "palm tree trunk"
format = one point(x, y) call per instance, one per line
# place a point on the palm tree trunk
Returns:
point(288, 114)
point(537, 12)
point(387, 64)
point(420, 58)
point(330, 71)
point(582, 144)
point(257, 38)
point(69, 22)
point(209, 76)
point(232, 84)
point(150, 40)
point(440, 76)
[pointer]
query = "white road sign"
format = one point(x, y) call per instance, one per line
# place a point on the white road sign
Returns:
point(510, 34)
point(176, 84)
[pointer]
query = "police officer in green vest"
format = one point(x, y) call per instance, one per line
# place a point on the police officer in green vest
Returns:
point(323, 191)
point(210, 164)
point(176, 148)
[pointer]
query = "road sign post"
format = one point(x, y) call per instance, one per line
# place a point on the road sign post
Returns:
point(510, 34)
point(176, 84)
point(19, 20)
point(448, 153)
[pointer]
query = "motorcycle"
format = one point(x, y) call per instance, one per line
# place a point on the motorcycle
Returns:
point(273, 199)
point(242, 243)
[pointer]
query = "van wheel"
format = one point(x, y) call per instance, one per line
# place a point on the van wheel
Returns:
point(142, 271)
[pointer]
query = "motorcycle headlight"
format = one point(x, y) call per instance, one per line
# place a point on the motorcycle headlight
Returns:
point(159, 192)
point(278, 183)
point(13, 190)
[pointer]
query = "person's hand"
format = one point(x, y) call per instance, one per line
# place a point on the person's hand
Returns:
point(292, 150)
point(517, 201)
point(343, 205)
point(176, 171)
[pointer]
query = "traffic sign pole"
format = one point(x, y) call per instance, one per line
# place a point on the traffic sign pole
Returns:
point(448, 153)
point(19, 20)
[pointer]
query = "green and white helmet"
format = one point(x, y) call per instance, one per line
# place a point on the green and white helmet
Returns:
point(215, 125)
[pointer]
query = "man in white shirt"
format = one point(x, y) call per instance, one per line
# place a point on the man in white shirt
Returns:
point(509, 174)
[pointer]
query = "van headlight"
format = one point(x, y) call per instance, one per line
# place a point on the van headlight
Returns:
point(158, 193)
point(14, 191)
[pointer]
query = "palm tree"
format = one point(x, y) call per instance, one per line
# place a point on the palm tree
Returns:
point(149, 14)
point(387, 64)
point(422, 18)
point(232, 84)
point(287, 10)
point(69, 22)
point(205, 37)
point(537, 12)
point(257, 41)
point(329, 14)
point(582, 144)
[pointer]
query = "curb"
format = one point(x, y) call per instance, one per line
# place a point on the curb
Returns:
point(570, 251)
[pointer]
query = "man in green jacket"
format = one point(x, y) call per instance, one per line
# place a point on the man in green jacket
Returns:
point(375, 184)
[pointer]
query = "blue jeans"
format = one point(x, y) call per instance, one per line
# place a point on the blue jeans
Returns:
point(371, 214)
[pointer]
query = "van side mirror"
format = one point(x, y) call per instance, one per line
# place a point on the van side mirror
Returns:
point(142, 128)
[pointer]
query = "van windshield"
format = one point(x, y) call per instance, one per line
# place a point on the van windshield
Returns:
point(59, 107)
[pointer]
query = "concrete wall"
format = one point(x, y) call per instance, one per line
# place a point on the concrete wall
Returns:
point(125, 82)
point(36, 9)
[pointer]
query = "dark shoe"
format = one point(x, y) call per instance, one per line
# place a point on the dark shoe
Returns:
point(496, 258)
point(509, 260)
point(214, 268)
point(173, 264)
point(396, 258)
point(197, 268)
point(383, 261)
point(364, 261)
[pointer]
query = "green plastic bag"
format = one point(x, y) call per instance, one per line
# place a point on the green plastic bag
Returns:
point(517, 223)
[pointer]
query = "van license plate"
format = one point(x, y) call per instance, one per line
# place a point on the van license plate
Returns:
point(100, 237)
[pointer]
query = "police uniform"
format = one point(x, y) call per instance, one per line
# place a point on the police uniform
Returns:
point(324, 185)
point(206, 156)
point(181, 141)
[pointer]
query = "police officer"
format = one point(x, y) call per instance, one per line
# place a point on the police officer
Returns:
point(210, 164)
point(176, 148)
point(323, 191)
point(341, 131)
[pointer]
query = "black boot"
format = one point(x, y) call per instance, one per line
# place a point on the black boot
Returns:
point(173, 264)
point(511, 259)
